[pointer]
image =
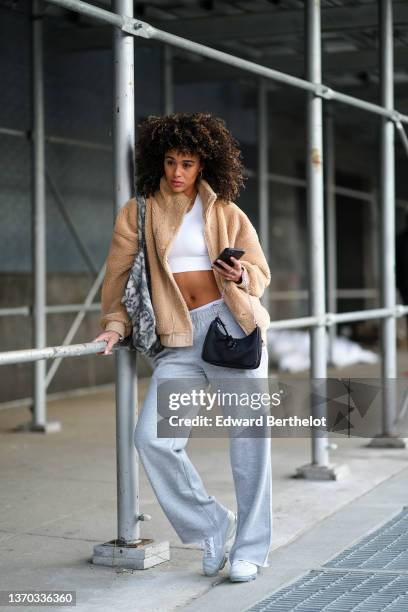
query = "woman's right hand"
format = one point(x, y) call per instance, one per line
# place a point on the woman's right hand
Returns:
point(111, 337)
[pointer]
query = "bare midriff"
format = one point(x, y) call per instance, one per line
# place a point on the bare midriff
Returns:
point(198, 287)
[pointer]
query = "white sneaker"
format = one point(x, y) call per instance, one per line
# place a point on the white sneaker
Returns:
point(243, 571)
point(216, 546)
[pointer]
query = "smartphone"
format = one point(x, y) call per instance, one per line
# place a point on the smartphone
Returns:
point(226, 254)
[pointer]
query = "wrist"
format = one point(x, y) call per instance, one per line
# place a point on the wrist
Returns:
point(240, 278)
point(120, 338)
point(117, 327)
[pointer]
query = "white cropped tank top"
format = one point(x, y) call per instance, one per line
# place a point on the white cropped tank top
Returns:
point(189, 250)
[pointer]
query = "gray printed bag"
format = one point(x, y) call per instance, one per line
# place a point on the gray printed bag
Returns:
point(137, 294)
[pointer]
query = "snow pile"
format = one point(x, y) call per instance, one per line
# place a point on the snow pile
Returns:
point(289, 350)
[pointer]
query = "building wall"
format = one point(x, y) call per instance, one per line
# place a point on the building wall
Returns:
point(78, 102)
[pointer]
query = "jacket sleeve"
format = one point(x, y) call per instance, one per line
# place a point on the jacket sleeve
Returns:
point(255, 266)
point(119, 262)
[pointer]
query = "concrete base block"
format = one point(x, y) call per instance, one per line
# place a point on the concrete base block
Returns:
point(312, 471)
point(143, 554)
point(48, 427)
point(387, 441)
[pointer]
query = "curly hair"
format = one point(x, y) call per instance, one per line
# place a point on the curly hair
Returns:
point(189, 133)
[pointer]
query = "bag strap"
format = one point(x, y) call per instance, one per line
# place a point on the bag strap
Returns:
point(245, 281)
point(141, 214)
point(141, 209)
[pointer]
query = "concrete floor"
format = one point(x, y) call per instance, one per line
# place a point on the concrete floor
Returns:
point(58, 499)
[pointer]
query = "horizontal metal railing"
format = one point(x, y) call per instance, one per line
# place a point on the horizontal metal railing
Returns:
point(51, 352)
point(89, 348)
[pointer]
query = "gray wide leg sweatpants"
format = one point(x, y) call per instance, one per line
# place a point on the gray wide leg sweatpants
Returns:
point(178, 487)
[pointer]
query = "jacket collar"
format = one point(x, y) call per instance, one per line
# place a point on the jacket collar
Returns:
point(168, 200)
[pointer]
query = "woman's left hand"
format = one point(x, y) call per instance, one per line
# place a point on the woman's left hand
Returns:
point(233, 273)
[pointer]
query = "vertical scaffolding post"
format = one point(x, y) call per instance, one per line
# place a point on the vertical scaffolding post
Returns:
point(388, 437)
point(125, 360)
point(167, 86)
point(330, 180)
point(128, 550)
point(319, 468)
point(263, 183)
point(39, 252)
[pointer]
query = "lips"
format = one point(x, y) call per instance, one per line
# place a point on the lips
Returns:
point(176, 183)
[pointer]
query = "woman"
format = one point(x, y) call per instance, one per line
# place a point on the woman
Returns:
point(189, 169)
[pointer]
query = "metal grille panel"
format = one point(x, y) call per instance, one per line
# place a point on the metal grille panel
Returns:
point(376, 577)
point(384, 548)
point(340, 591)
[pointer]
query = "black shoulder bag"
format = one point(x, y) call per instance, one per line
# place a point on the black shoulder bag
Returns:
point(221, 349)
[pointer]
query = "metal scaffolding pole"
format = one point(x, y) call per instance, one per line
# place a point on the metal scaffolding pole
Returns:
point(52, 352)
point(263, 182)
point(401, 132)
point(319, 468)
point(167, 84)
point(125, 361)
point(330, 180)
point(388, 437)
point(39, 252)
point(123, 552)
point(135, 27)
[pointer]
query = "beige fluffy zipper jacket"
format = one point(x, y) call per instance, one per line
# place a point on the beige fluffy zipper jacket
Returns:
point(225, 224)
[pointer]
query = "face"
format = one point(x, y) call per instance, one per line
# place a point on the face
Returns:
point(181, 170)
